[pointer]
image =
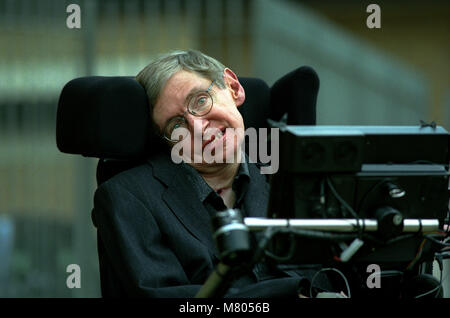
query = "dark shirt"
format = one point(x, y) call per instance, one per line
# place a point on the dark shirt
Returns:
point(212, 201)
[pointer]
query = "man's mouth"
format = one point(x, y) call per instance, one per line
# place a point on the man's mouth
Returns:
point(214, 138)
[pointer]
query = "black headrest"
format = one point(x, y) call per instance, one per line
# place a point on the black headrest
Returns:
point(295, 94)
point(108, 117)
point(102, 117)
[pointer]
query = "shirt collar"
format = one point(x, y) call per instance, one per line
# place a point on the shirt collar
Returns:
point(202, 189)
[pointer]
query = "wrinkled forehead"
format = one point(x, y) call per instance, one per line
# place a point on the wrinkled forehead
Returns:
point(172, 98)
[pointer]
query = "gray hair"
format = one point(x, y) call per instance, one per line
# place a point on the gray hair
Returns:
point(156, 74)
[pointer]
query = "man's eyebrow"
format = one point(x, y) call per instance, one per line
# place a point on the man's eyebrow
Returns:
point(192, 92)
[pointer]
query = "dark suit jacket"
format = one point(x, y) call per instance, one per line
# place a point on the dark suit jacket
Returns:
point(155, 240)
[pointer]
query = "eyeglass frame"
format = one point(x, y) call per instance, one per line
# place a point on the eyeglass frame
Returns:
point(207, 91)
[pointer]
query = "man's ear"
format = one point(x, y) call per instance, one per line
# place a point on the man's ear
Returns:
point(236, 89)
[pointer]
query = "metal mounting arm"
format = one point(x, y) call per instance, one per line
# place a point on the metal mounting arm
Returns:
point(338, 225)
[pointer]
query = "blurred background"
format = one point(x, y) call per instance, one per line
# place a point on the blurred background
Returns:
point(395, 75)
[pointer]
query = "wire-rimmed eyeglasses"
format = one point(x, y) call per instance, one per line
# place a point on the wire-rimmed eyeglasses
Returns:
point(199, 105)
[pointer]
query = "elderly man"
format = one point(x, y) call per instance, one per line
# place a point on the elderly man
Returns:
point(154, 220)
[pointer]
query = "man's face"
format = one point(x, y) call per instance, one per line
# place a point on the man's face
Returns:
point(210, 129)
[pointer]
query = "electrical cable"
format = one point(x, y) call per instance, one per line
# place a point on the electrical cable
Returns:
point(418, 255)
point(346, 205)
point(444, 244)
point(366, 195)
point(330, 269)
point(270, 233)
point(290, 254)
point(435, 288)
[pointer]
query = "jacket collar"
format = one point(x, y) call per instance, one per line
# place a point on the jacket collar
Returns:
point(191, 213)
point(178, 197)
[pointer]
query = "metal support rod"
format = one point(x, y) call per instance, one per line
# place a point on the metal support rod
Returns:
point(214, 282)
point(338, 225)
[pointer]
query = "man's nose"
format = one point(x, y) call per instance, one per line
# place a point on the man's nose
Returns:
point(196, 124)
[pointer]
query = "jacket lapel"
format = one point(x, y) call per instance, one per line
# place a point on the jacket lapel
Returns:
point(258, 196)
point(178, 197)
point(191, 213)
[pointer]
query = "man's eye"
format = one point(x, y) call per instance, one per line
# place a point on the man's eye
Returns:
point(174, 125)
point(201, 101)
point(178, 125)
